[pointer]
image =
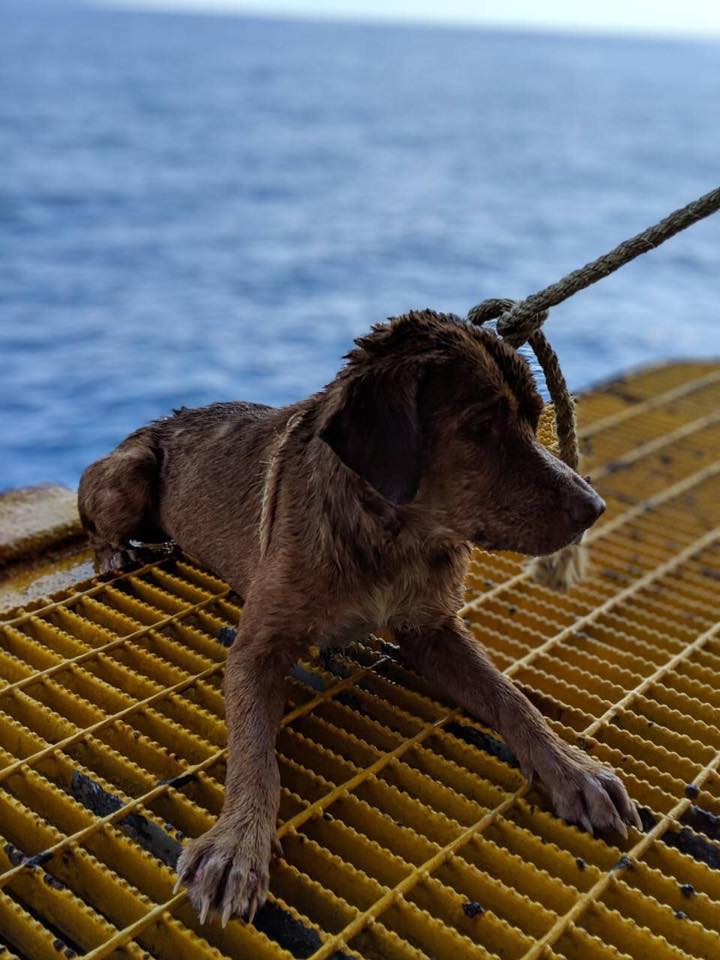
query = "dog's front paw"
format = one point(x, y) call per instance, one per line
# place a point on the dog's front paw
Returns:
point(585, 791)
point(227, 869)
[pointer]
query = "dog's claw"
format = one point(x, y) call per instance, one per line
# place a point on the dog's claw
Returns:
point(204, 910)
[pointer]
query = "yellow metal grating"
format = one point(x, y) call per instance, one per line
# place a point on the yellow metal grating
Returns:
point(407, 830)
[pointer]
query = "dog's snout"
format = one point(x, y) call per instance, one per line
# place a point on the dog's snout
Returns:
point(586, 507)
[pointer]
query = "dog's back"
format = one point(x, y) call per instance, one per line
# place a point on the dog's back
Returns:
point(177, 473)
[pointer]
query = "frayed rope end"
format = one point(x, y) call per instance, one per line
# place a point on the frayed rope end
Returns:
point(561, 570)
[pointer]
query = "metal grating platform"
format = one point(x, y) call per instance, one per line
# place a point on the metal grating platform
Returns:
point(407, 830)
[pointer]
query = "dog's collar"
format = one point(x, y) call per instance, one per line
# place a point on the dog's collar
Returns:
point(165, 546)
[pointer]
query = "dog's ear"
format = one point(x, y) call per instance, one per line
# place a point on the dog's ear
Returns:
point(375, 430)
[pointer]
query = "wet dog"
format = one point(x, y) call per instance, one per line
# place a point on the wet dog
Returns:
point(353, 510)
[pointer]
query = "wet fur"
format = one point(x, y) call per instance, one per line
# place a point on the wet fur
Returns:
point(353, 510)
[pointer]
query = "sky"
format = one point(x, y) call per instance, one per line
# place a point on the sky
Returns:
point(694, 17)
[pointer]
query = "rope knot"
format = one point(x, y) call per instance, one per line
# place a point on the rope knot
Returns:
point(516, 323)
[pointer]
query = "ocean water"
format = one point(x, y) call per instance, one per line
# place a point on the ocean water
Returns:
point(196, 208)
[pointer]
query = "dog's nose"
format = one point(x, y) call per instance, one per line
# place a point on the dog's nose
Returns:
point(586, 508)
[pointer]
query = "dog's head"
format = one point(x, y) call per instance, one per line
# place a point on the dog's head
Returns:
point(440, 417)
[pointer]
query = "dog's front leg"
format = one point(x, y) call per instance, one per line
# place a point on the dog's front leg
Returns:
point(227, 868)
point(582, 789)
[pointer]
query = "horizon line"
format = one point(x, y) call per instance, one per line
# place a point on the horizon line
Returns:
point(218, 8)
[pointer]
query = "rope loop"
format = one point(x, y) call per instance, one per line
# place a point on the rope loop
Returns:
point(489, 309)
point(516, 333)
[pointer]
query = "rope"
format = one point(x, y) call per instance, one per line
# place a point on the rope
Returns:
point(518, 322)
point(521, 321)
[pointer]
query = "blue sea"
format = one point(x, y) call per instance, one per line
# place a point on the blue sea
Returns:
point(198, 208)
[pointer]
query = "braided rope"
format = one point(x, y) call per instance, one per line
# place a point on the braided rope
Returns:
point(522, 318)
point(562, 399)
point(521, 321)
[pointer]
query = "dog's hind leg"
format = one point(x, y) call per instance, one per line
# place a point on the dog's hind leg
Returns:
point(117, 497)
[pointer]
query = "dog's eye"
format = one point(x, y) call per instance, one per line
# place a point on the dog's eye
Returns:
point(479, 419)
point(481, 424)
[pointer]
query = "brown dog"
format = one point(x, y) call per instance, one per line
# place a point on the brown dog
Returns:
point(349, 511)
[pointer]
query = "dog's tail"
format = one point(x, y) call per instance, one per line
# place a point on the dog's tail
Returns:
point(117, 497)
